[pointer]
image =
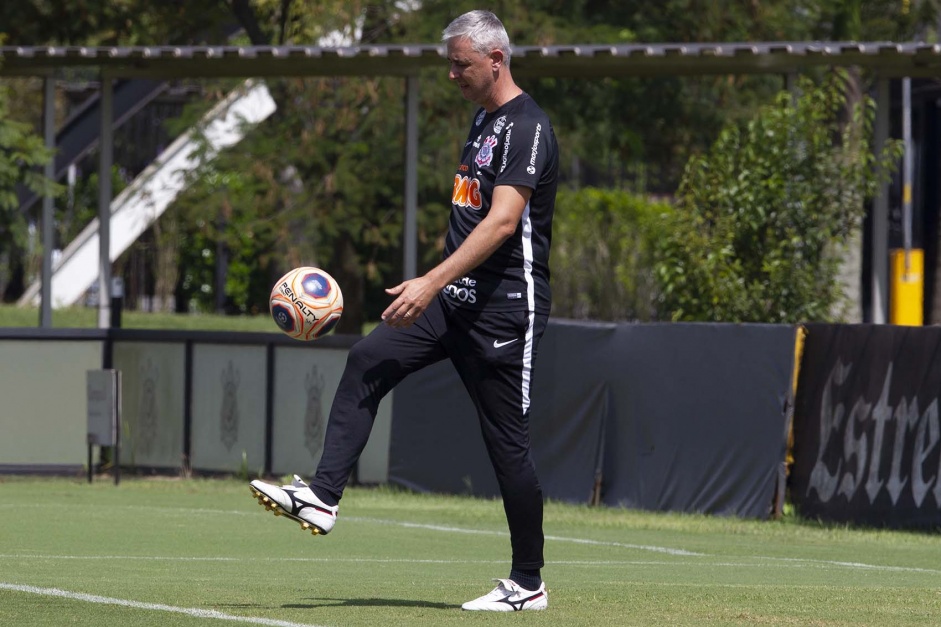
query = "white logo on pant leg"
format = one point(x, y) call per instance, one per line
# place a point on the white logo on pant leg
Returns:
point(499, 344)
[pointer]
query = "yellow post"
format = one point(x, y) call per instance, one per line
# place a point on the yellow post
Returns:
point(907, 287)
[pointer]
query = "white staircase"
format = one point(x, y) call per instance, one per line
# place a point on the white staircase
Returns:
point(136, 208)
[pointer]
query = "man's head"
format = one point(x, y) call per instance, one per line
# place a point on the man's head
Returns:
point(479, 57)
point(483, 30)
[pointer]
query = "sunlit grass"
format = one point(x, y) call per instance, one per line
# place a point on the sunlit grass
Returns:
point(87, 318)
point(400, 558)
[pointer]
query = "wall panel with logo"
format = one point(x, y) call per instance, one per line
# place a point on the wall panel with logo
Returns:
point(202, 401)
point(153, 382)
point(305, 382)
point(228, 407)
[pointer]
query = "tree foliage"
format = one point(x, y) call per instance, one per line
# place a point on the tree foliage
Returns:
point(111, 22)
point(21, 151)
point(321, 180)
point(760, 219)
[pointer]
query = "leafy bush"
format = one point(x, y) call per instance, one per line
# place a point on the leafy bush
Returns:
point(601, 261)
point(761, 219)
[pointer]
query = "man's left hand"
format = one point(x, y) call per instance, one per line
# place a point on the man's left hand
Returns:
point(412, 299)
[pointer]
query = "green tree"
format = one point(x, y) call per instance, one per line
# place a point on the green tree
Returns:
point(320, 182)
point(760, 219)
point(637, 133)
point(112, 22)
point(21, 152)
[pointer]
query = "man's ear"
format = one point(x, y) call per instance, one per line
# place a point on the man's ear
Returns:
point(496, 60)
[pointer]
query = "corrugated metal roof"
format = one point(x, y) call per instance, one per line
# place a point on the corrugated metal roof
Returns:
point(576, 60)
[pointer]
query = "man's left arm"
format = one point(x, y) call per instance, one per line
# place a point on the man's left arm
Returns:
point(414, 296)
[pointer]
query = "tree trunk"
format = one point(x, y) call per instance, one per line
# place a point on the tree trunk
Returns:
point(847, 26)
point(851, 267)
point(167, 257)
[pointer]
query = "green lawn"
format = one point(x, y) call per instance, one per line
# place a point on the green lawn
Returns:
point(87, 318)
point(190, 552)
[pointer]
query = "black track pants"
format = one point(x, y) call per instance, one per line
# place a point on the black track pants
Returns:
point(493, 352)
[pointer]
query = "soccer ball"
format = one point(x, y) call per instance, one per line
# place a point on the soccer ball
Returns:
point(306, 303)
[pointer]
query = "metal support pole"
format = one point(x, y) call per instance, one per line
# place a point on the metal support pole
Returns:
point(49, 171)
point(880, 212)
point(105, 153)
point(410, 227)
point(908, 168)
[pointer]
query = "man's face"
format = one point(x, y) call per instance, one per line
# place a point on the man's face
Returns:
point(471, 70)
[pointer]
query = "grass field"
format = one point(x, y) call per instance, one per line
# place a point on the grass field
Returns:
point(87, 318)
point(174, 552)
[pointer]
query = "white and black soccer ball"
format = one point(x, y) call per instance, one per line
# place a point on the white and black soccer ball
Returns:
point(306, 303)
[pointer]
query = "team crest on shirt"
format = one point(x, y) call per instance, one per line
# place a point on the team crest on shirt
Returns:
point(485, 154)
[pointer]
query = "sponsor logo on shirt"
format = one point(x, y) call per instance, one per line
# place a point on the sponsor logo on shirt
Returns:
point(480, 118)
point(499, 124)
point(506, 147)
point(485, 154)
point(462, 290)
point(466, 192)
point(532, 157)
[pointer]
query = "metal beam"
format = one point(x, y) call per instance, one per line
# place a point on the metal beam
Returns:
point(908, 167)
point(48, 239)
point(105, 159)
point(880, 213)
point(584, 60)
point(410, 226)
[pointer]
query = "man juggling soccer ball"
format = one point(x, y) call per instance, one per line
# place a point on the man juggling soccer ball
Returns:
point(484, 307)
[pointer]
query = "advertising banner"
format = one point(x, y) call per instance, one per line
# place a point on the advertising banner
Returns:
point(867, 438)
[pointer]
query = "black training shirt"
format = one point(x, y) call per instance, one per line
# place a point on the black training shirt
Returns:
point(514, 145)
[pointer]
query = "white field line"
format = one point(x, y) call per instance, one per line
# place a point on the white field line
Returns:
point(441, 528)
point(584, 541)
point(159, 607)
point(481, 532)
point(746, 562)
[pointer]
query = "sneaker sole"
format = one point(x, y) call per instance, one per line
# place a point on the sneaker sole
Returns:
point(272, 506)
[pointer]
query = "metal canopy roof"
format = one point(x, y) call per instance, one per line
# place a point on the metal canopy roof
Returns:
point(576, 61)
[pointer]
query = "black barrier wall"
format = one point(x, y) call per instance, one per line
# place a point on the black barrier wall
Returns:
point(680, 417)
point(867, 438)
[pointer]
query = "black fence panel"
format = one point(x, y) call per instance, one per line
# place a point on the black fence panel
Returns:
point(681, 417)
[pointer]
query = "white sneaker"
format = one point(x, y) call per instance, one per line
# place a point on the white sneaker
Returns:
point(297, 502)
point(508, 596)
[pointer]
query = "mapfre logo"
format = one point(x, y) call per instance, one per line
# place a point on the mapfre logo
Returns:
point(466, 192)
